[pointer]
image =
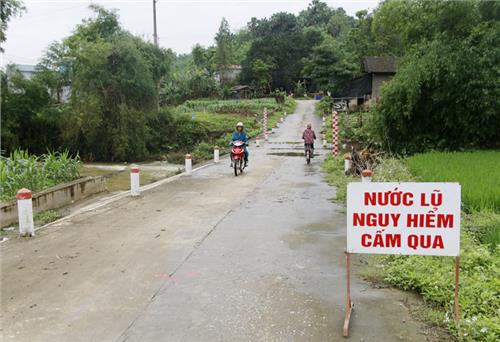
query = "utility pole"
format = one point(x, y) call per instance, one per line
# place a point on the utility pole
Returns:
point(155, 32)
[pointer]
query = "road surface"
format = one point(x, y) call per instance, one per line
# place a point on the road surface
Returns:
point(211, 257)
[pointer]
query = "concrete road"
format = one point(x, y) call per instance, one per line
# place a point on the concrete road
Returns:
point(212, 257)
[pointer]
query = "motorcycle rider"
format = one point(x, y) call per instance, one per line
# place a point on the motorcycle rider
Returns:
point(240, 135)
point(308, 135)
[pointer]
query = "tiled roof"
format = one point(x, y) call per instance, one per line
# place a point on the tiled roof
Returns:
point(379, 64)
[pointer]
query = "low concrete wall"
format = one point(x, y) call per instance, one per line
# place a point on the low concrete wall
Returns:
point(55, 197)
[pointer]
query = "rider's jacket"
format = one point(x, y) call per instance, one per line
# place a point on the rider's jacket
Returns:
point(308, 136)
point(242, 136)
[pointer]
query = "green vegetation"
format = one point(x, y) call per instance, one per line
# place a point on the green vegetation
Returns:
point(215, 120)
point(22, 170)
point(477, 173)
point(443, 96)
point(9, 9)
point(432, 277)
point(46, 216)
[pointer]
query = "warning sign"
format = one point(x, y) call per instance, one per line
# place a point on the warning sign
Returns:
point(403, 218)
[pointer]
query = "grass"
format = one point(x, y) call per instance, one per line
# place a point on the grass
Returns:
point(46, 216)
point(477, 172)
point(432, 277)
point(22, 170)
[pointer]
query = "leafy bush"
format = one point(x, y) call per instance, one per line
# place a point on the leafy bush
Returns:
point(444, 95)
point(22, 170)
point(325, 105)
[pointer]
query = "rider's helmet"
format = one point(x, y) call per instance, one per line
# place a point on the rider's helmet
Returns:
point(309, 125)
point(239, 124)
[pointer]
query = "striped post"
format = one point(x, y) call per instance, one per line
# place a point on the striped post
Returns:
point(264, 123)
point(335, 134)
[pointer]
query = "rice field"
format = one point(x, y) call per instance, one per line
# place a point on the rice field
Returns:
point(477, 172)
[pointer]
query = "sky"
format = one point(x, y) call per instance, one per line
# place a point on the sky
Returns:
point(181, 23)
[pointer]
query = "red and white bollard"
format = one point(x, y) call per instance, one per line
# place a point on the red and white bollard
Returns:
point(134, 181)
point(335, 134)
point(366, 176)
point(347, 163)
point(189, 164)
point(264, 122)
point(257, 142)
point(216, 154)
point(25, 212)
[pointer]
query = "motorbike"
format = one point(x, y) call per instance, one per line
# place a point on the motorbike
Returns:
point(238, 156)
point(308, 152)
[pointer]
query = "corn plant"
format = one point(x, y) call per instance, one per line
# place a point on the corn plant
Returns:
point(22, 170)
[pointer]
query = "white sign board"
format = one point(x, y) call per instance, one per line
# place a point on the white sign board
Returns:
point(403, 218)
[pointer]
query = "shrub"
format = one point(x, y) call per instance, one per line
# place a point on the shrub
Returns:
point(444, 96)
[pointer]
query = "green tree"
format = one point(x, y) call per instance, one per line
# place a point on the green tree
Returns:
point(329, 67)
point(224, 52)
point(445, 95)
point(8, 10)
point(262, 73)
point(281, 40)
point(29, 119)
point(340, 23)
point(317, 14)
point(114, 79)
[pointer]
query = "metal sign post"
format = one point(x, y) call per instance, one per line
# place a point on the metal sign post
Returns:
point(348, 306)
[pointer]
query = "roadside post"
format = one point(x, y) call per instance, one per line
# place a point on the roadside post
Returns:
point(324, 140)
point(335, 132)
point(264, 124)
point(366, 176)
point(347, 163)
point(257, 142)
point(189, 164)
point(25, 212)
point(403, 219)
point(134, 181)
point(282, 119)
point(216, 154)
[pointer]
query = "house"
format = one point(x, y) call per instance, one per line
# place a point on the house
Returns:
point(229, 74)
point(28, 71)
point(366, 88)
point(242, 92)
